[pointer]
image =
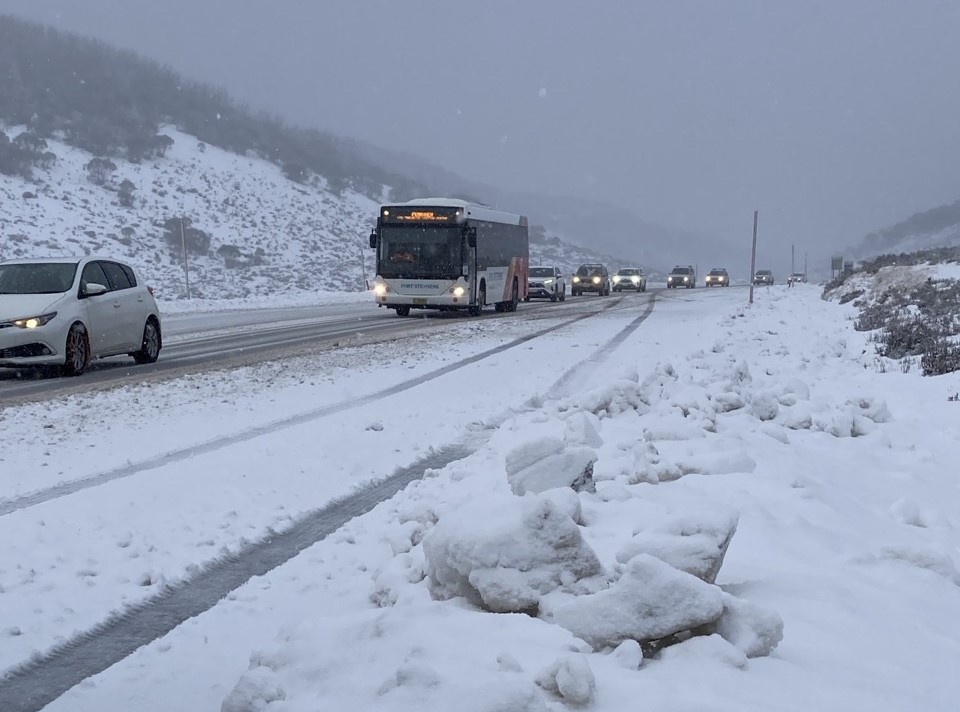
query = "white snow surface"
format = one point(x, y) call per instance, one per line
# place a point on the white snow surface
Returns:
point(839, 589)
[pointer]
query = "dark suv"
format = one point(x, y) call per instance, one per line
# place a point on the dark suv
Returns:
point(591, 278)
point(763, 276)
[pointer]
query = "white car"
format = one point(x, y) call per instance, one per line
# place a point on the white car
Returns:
point(67, 311)
point(546, 282)
point(630, 278)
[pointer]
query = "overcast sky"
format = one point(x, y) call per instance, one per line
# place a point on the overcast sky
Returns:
point(832, 117)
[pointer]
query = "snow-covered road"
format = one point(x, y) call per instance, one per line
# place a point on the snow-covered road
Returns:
point(754, 409)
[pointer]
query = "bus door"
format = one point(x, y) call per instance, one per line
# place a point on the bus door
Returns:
point(470, 233)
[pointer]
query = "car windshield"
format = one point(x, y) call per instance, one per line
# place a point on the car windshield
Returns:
point(37, 278)
point(589, 271)
point(541, 272)
point(763, 272)
point(718, 272)
point(681, 270)
point(628, 272)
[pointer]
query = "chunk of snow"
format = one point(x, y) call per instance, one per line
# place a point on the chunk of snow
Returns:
point(695, 543)
point(702, 649)
point(503, 553)
point(651, 600)
point(570, 678)
point(754, 629)
point(547, 463)
point(255, 690)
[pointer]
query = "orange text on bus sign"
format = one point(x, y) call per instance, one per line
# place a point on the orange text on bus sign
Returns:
point(424, 215)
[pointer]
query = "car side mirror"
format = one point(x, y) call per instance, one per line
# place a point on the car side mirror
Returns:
point(92, 289)
point(373, 240)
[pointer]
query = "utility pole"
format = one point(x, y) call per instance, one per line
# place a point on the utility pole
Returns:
point(753, 253)
point(804, 265)
point(186, 267)
point(793, 261)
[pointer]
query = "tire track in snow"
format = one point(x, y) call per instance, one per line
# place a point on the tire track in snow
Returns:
point(31, 686)
point(15, 504)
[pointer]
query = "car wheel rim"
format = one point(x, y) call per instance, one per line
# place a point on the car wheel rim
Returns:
point(151, 342)
point(78, 348)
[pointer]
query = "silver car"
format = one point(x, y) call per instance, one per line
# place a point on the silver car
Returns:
point(68, 311)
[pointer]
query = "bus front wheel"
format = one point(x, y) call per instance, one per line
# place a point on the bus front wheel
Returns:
point(403, 311)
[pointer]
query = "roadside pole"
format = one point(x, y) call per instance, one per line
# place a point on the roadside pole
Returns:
point(186, 268)
point(753, 254)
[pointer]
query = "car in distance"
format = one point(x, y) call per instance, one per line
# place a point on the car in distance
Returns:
point(591, 278)
point(797, 278)
point(763, 276)
point(66, 312)
point(630, 278)
point(717, 277)
point(682, 277)
point(546, 283)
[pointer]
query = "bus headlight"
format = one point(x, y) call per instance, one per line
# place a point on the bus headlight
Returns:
point(458, 291)
point(596, 280)
point(379, 289)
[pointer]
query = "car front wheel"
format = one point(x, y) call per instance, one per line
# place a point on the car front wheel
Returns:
point(77, 351)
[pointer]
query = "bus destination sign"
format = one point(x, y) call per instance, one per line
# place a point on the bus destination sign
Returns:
point(420, 214)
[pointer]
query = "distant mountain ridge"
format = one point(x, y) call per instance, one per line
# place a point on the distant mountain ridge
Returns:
point(926, 230)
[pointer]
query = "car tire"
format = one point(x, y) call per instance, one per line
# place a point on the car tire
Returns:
point(77, 351)
point(403, 311)
point(150, 344)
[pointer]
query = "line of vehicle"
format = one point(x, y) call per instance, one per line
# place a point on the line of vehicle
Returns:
point(118, 636)
point(9, 506)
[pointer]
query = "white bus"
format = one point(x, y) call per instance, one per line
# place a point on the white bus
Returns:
point(441, 253)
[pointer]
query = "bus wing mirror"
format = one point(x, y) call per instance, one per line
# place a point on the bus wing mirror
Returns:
point(373, 240)
point(471, 237)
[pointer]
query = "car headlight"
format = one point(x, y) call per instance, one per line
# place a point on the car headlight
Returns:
point(379, 289)
point(576, 279)
point(634, 279)
point(548, 280)
point(596, 280)
point(34, 321)
point(458, 291)
point(616, 278)
point(686, 279)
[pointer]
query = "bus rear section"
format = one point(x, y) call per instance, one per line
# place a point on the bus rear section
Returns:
point(449, 255)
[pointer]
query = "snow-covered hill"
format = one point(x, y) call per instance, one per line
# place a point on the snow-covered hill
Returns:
point(268, 234)
point(931, 229)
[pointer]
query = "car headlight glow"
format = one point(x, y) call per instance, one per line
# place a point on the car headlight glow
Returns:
point(576, 279)
point(686, 279)
point(616, 278)
point(458, 291)
point(548, 280)
point(34, 321)
point(634, 279)
point(596, 280)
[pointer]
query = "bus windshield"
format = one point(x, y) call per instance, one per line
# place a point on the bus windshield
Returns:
point(417, 251)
